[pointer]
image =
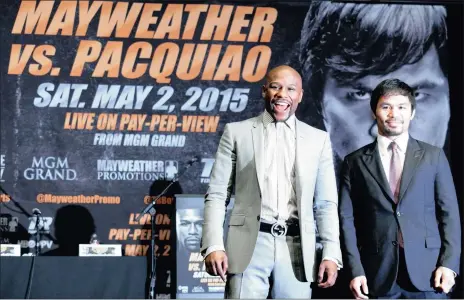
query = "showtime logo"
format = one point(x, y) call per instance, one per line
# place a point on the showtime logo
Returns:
point(50, 168)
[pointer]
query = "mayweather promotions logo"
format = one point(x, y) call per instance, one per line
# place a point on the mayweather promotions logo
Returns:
point(144, 170)
point(8, 223)
point(50, 168)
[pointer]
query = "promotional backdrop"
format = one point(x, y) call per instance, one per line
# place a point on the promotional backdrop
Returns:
point(104, 102)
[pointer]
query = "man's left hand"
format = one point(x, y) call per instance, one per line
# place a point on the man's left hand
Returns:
point(444, 279)
point(329, 268)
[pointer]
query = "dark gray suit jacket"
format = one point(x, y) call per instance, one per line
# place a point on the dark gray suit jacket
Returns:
point(427, 213)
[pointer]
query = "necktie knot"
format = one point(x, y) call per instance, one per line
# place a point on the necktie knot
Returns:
point(393, 146)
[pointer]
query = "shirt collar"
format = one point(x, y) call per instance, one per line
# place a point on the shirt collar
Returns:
point(268, 119)
point(401, 141)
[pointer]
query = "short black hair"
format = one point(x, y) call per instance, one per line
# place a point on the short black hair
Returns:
point(392, 87)
point(351, 41)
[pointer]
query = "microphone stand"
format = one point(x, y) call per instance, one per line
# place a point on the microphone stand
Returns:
point(37, 253)
point(24, 212)
point(37, 249)
point(37, 234)
point(150, 208)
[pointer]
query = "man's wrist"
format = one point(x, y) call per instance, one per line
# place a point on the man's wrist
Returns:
point(454, 273)
point(339, 266)
point(211, 249)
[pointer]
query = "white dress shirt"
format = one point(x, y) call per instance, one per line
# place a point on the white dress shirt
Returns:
point(386, 154)
point(279, 196)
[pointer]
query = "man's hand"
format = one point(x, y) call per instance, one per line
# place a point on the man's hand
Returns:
point(444, 279)
point(216, 264)
point(355, 286)
point(330, 268)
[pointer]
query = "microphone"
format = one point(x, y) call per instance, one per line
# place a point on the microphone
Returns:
point(37, 215)
point(193, 160)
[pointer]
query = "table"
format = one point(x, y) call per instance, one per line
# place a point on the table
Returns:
point(74, 277)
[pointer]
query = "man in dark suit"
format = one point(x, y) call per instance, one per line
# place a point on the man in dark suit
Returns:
point(398, 209)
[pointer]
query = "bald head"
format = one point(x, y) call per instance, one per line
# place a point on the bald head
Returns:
point(283, 69)
point(282, 92)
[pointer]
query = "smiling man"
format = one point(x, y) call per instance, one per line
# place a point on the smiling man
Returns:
point(283, 175)
point(399, 214)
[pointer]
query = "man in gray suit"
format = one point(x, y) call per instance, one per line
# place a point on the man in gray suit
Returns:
point(398, 208)
point(283, 174)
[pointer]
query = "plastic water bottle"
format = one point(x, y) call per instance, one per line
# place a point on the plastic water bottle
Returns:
point(94, 239)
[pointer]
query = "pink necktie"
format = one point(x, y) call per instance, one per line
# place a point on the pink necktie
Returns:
point(395, 171)
point(395, 179)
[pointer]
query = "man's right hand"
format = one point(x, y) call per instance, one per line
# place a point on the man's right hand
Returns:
point(216, 264)
point(356, 285)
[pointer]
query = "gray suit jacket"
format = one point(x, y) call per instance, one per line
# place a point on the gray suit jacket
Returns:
point(240, 164)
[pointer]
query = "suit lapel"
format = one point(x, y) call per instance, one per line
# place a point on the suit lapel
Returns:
point(257, 132)
point(371, 159)
point(299, 156)
point(414, 154)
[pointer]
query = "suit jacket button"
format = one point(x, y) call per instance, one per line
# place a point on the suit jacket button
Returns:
point(258, 218)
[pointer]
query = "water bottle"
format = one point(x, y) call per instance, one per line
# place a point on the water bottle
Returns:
point(94, 239)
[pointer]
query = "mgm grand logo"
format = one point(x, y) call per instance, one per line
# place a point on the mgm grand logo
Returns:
point(50, 168)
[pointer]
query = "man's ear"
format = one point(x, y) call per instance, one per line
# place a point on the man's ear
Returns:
point(301, 96)
point(373, 115)
point(263, 91)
